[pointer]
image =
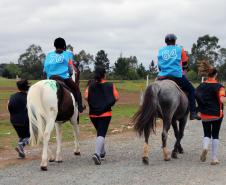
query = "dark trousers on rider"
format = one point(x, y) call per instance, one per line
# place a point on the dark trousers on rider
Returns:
point(76, 92)
point(187, 87)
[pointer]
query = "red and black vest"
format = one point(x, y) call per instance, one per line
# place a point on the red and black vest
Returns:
point(100, 98)
point(207, 98)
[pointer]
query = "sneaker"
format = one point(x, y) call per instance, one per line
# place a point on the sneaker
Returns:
point(102, 157)
point(214, 162)
point(20, 151)
point(96, 159)
point(203, 155)
point(194, 116)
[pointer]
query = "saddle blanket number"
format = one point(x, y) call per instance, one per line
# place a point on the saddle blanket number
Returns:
point(51, 84)
point(169, 54)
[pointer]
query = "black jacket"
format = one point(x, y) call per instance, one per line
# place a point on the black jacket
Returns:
point(207, 98)
point(100, 98)
point(18, 109)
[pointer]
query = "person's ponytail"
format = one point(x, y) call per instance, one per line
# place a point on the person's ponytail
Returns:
point(205, 69)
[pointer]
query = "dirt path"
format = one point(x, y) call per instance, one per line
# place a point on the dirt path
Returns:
point(123, 165)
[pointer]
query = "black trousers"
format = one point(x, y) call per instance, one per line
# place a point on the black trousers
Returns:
point(101, 125)
point(212, 128)
point(22, 131)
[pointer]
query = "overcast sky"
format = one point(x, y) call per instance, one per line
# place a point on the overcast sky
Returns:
point(130, 27)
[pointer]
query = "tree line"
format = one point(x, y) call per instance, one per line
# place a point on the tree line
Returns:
point(30, 63)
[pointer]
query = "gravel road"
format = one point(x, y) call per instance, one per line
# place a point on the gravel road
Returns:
point(123, 165)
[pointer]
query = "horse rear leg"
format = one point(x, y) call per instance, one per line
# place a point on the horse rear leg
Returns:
point(166, 127)
point(46, 137)
point(182, 124)
point(59, 141)
point(176, 133)
point(76, 133)
point(146, 147)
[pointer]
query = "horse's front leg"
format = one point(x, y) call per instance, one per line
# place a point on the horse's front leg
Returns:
point(74, 123)
point(176, 133)
point(145, 158)
point(166, 127)
point(59, 141)
point(46, 137)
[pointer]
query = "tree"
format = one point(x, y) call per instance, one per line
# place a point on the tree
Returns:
point(222, 57)
point(206, 48)
point(141, 71)
point(11, 70)
point(121, 67)
point(153, 69)
point(101, 59)
point(126, 68)
point(31, 62)
point(70, 47)
point(84, 59)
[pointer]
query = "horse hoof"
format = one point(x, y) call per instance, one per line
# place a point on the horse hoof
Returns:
point(174, 155)
point(181, 151)
point(52, 160)
point(60, 161)
point(43, 168)
point(167, 159)
point(77, 153)
point(145, 160)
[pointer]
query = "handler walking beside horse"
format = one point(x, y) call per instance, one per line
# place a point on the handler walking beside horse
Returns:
point(101, 96)
point(210, 96)
point(17, 107)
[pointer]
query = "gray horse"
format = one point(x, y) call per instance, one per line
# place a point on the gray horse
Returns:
point(165, 100)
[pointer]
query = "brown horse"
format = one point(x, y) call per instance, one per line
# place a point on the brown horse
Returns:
point(165, 100)
point(50, 104)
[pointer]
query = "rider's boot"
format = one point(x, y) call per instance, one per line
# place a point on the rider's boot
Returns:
point(81, 108)
point(194, 115)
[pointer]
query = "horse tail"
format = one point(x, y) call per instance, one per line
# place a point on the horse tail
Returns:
point(36, 123)
point(145, 118)
point(41, 111)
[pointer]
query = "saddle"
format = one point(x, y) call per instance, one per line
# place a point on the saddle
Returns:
point(171, 79)
point(64, 103)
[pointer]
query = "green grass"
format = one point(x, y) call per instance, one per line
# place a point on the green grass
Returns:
point(132, 86)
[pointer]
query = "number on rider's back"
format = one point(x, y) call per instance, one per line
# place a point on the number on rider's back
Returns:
point(167, 54)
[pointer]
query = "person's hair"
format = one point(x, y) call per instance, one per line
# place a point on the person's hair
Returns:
point(60, 43)
point(205, 69)
point(23, 85)
point(99, 73)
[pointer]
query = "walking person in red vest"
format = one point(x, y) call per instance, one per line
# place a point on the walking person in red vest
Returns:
point(101, 96)
point(210, 96)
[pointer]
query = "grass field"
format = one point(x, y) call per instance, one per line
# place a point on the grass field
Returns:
point(129, 92)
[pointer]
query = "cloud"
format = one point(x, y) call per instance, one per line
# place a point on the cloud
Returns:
point(130, 27)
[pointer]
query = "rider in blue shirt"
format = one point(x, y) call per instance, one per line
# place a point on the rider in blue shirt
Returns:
point(60, 63)
point(171, 59)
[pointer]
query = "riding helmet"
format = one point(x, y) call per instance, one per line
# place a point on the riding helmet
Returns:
point(170, 38)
